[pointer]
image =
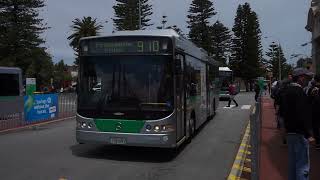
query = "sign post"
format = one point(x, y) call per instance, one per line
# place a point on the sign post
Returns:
point(30, 86)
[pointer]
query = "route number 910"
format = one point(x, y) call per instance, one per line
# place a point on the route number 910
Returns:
point(148, 46)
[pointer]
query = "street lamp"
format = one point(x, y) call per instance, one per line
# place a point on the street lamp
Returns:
point(304, 56)
point(305, 44)
point(140, 23)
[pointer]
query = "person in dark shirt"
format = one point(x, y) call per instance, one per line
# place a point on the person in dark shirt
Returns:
point(257, 91)
point(232, 93)
point(314, 98)
point(296, 113)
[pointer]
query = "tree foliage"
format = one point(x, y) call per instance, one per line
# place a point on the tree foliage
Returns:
point(221, 40)
point(87, 26)
point(20, 34)
point(127, 14)
point(246, 59)
point(200, 12)
point(61, 74)
point(275, 54)
point(41, 67)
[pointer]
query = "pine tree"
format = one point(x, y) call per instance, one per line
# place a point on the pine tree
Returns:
point(87, 26)
point(200, 12)
point(221, 39)
point(41, 67)
point(246, 46)
point(127, 14)
point(275, 53)
point(20, 33)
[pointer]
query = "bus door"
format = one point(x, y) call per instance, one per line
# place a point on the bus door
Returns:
point(180, 95)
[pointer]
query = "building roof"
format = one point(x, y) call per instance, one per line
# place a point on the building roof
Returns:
point(10, 70)
point(157, 33)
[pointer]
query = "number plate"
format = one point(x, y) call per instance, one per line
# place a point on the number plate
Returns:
point(118, 141)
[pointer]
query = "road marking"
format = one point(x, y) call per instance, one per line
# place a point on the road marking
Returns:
point(238, 166)
point(247, 107)
point(231, 106)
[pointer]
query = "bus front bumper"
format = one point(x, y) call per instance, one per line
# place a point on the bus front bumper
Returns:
point(127, 139)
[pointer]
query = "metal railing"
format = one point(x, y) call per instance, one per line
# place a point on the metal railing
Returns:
point(12, 111)
point(255, 139)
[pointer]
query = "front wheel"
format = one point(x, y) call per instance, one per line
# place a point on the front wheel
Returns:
point(191, 129)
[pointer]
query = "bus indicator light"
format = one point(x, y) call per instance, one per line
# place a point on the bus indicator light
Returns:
point(148, 127)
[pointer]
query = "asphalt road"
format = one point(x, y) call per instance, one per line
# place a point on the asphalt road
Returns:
point(51, 153)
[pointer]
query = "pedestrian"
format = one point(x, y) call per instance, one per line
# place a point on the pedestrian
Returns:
point(296, 113)
point(232, 93)
point(279, 93)
point(314, 93)
point(257, 91)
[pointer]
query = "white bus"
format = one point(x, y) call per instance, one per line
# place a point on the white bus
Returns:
point(155, 89)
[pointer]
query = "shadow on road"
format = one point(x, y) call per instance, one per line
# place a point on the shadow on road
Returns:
point(123, 153)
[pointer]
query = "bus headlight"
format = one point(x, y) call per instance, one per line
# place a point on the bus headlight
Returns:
point(156, 128)
point(83, 125)
point(90, 125)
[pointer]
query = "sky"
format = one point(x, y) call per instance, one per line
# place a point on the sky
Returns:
point(281, 21)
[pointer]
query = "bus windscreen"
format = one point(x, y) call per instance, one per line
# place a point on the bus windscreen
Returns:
point(141, 87)
point(11, 82)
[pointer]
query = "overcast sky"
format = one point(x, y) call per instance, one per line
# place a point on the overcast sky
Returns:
point(280, 20)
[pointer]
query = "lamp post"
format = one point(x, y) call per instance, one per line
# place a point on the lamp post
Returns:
point(140, 23)
point(304, 56)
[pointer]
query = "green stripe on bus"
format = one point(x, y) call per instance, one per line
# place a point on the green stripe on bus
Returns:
point(119, 125)
point(193, 98)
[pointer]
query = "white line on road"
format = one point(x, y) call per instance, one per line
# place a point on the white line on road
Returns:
point(231, 106)
point(247, 107)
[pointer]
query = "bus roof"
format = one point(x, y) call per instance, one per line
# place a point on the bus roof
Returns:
point(9, 70)
point(181, 42)
point(155, 33)
point(224, 69)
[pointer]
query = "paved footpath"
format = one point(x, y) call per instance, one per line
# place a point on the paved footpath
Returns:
point(274, 158)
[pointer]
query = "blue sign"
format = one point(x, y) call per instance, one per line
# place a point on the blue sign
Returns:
point(40, 107)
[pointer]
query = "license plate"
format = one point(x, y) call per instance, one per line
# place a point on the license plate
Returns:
point(118, 141)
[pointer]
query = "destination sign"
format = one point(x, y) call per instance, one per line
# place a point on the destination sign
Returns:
point(126, 45)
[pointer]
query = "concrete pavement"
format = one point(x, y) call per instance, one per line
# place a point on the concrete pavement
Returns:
point(51, 152)
point(274, 155)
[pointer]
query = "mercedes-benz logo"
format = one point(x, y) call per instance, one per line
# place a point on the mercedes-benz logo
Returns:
point(118, 126)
